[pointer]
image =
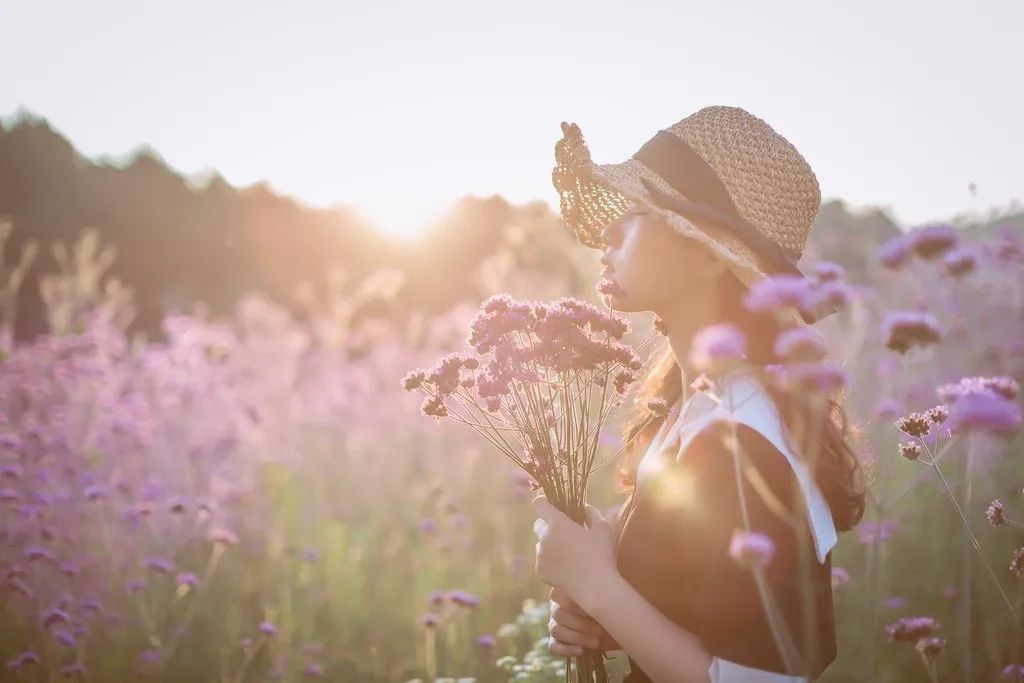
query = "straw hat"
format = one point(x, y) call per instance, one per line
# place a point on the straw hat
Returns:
point(754, 195)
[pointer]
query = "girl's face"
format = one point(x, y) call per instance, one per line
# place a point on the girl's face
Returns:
point(654, 264)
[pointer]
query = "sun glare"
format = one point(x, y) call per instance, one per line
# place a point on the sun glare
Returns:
point(400, 218)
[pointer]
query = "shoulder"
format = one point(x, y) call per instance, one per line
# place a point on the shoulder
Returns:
point(742, 410)
point(749, 412)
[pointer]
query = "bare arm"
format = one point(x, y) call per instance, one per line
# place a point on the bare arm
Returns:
point(666, 652)
point(580, 560)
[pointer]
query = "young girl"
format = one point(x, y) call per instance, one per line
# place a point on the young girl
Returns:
point(704, 210)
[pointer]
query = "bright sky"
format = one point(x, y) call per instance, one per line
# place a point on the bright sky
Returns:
point(403, 107)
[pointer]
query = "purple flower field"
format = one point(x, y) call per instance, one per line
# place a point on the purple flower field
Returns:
point(259, 498)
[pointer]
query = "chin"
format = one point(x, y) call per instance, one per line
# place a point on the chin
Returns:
point(621, 304)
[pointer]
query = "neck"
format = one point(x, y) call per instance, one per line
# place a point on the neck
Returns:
point(683, 320)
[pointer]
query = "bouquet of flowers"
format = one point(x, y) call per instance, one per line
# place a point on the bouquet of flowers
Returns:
point(539, 385)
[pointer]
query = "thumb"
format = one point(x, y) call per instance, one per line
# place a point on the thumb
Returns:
point(594, 517)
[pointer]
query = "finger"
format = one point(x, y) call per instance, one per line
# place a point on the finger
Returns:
point(571, 637)
point(576, 622)
point(560, 649)
point(594, 517)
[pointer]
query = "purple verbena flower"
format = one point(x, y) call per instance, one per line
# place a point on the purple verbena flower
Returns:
point(903, 330)
point(717, 346)
point(413, 379)
point(434, 406)
point(910, 629)
point(938, 414)
point(840, 577)
point(934, 240)
point(161, 565)
point(186, 579)
point(911, 450)
point(610, 288)
point(463, 599)
point(1006, 387)
point(810, 377)
point(1017, 563)
point(23, 660)
point(1014, 673)
point(959, 262)
point(827, 271)
point(931, 646)
point(657, 406)
point(996, 513)
point(801, 343)
point(54, 616)
point(752, 550)
point(985, 412)
point(778, 293)
point(914, 424)
point(895, 252)
point(887, 408)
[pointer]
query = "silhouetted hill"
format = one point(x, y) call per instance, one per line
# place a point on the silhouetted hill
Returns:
point(177, 244)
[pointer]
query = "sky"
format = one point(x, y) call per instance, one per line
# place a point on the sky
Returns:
point(398, 109)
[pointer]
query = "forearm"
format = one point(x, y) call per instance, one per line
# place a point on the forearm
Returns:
point(666, 651)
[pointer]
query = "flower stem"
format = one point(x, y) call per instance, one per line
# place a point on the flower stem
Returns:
point(977, 546)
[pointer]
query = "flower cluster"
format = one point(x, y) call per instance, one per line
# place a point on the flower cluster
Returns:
point(808, 377)
point(1005, 387)
point(519, 342)
point(751, 549)
point(717, 347)
point(800, 344)
point(1014, 673)
point(928, 242)
point(996, 513)
point(808, 296)
point(985, 412)
point(959, 262)
point(915, 424)
point(911, 450)
point(910, 629)
point(658, 407)
point(1017, 563)
point(903, 330)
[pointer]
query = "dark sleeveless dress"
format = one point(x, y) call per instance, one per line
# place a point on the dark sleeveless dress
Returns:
point(674, 550)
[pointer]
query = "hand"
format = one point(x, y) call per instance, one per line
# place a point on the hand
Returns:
point(572, 629)
point(579, 560)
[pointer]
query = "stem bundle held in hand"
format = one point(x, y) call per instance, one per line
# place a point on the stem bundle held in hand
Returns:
point(542, 381)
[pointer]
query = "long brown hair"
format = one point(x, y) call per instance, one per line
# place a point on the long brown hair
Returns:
point(837, 470)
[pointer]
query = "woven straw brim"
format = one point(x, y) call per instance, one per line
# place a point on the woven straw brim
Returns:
point(624, 179)
point(606, 192)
